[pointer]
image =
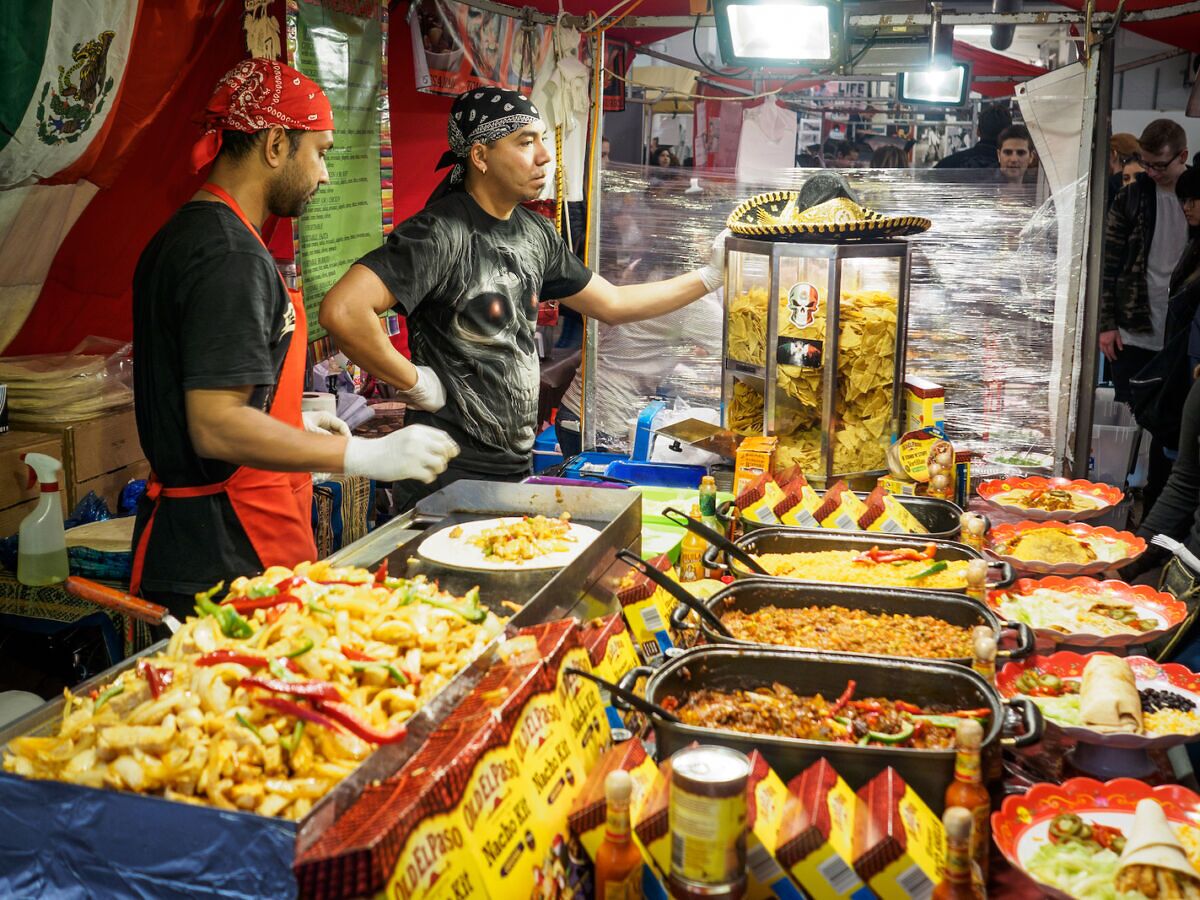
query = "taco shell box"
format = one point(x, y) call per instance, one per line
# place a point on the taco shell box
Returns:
point(899, 844)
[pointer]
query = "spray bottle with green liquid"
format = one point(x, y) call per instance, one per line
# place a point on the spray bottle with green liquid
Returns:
point(42, 551)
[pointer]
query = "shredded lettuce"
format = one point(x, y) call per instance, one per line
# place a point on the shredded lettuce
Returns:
point(1078, 871)
point(1051, 610)
point(1063, 710)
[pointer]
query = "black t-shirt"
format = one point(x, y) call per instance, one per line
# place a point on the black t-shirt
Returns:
point(469, 285)
point(209, 311)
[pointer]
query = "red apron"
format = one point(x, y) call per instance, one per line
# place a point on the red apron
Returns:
point(274, 508)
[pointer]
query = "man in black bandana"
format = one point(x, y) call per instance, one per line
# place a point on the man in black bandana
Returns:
point(468, 272)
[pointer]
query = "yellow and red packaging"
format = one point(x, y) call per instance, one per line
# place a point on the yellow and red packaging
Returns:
point(588, 816)
point(799, 504)
point(612, 655)
point(652, 826)
point(758, 501)
point(899, 844)
point(901, 486)
point(755, 455)
point(887, 514)
point(647, 609)
point(816, 837)
point(925, 405)
point(766, 797)
point(840, 509)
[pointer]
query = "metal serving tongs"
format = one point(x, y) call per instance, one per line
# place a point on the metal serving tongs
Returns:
point(111, 598)
point(676, 590)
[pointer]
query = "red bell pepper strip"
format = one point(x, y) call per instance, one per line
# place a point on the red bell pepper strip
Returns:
point(290, 584)
point(905, 706)
point(249, 660)
point(357, 655)
point(314, 690)
point(982, 713)
point(381, 573)
point(248, 604)
point(1104, 834)
point(347, 716)
point(158, 679)
point(844, 699)
point(292, 708)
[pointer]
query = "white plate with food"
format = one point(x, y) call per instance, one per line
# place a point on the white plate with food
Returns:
point(509, 544)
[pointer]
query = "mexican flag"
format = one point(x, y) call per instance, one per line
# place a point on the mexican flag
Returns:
point(61, 62)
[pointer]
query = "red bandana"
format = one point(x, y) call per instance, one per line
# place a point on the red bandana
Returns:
point(257, 94)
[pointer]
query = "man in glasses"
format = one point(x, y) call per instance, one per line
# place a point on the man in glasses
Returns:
point(1144, 237)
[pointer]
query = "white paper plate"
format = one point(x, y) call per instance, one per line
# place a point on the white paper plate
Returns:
point(459, 553)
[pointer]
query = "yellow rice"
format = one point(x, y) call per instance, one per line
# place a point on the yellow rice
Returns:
point(838, 566)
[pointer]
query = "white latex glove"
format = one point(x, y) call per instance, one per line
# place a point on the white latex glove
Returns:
point(713, 275)
point(323, 422)
point(417, 452)
point(427, 394)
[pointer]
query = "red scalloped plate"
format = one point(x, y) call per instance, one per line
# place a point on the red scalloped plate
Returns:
point(1146, 672)
point(1105, 495)
point(1113, 548)
point(1147, 601)
point(1022, 823)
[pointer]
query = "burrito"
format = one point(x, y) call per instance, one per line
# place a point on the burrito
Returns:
point(1108, 696)
point(1153, 862)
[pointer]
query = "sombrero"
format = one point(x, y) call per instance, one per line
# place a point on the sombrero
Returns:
point(783, 214)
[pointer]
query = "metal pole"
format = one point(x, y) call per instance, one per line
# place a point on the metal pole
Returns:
point(1096, 113)
point(587, 422)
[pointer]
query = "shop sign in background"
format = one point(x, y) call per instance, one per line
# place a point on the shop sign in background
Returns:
point(340, 45)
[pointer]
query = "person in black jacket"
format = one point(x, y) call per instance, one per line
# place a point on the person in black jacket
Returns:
point(1144, 237)
point(992, 121)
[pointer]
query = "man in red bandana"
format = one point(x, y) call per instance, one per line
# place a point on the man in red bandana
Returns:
point(219, 356)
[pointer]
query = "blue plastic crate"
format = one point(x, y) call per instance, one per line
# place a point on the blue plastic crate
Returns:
point(545, 450)
point(653, 474)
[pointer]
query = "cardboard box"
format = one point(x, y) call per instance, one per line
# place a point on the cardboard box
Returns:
point(98, 446)
point(108, 485)
point(17, 498)
point(755, 456)
point(925, 404)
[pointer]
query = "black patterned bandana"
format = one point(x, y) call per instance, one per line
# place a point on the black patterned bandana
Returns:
point(482, 116)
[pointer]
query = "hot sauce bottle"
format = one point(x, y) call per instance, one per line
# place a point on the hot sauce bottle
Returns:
point(968, 792)
point(618, 861)
point(957, 882)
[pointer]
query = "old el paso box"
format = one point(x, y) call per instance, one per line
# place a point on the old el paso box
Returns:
point(899, 844)
point(766, 797)
point(562, 649)
point(816, 837)
point(612, 655)
point(925, 403)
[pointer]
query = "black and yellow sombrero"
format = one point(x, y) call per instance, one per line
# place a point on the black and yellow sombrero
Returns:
point(783, 215)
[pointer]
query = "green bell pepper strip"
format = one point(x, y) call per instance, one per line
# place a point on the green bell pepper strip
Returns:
point(245, 723)
point(940, 721)
point(107, 695)
point(939, 566)
point(291, 743)
point(395, 673)
point(301, 650)
point(899, 737)
point(231, 622)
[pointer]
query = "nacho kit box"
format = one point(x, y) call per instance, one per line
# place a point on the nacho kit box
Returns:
point(766, 798)
point(481, 809)
point(647, 609)
point(899, 844)
point(755, 455)
point(816, 836)
point(612, 655)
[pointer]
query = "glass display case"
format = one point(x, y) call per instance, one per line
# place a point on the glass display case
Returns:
point(833, 318)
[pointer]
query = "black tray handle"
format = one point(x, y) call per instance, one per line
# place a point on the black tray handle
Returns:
point(1031, 715)
point(624, 697)
point(716, 539)
point(712, 559)
point(726, 513)
point(678, 591)
point(1026, 640)
point(679, 619)
point(1007, 576)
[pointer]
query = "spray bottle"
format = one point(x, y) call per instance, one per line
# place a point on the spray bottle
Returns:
point(42, 551)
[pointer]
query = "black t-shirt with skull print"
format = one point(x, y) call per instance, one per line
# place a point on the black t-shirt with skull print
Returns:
point(470, 285)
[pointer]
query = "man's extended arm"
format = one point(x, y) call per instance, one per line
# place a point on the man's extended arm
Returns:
point(350, 312)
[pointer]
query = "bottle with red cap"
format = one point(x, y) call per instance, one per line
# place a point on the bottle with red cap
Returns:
point(42, 547)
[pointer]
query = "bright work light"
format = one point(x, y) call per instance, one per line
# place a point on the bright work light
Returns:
point(777, 33)
point(945, 87)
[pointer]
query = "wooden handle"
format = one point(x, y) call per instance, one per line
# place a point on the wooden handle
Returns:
point(111, 598)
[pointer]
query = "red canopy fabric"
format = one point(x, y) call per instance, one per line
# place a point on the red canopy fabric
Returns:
point(1182, 31)
point(985, 62)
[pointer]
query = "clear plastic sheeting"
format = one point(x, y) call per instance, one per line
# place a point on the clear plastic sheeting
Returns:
point(990, 316)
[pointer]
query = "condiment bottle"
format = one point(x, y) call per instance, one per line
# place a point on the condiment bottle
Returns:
point(984, 647)
point(967, 791)
point(972, 528)
point(977, 580)
point(618, 859)
point(691, 554)
point(957, 882)
point(42, 548)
